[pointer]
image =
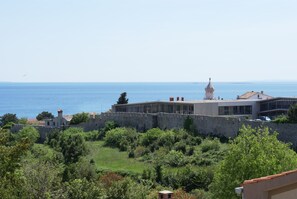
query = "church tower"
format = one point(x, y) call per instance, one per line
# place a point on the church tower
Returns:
point(209, 91)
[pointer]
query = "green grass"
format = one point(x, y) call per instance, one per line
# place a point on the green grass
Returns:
point(112, 159)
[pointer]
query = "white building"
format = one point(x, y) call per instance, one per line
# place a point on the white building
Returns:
point(250, 105)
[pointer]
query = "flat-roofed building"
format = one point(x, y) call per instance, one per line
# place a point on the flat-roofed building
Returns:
point(251, 104)
point(200, 107)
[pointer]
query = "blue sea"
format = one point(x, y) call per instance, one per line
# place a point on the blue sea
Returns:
point(29, 99)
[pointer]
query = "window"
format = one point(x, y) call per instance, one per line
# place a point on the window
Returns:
point(235, 110)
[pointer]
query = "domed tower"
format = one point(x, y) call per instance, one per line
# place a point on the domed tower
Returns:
point(209, 91)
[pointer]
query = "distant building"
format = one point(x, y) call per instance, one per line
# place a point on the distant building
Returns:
point(58, 121)
point(251, 104)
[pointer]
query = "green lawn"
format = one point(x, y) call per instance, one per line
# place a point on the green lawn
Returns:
point(112, 159)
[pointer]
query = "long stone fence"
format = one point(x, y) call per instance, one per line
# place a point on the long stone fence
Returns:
point(206, 125)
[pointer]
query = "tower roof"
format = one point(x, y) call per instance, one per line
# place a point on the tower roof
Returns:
point(209, 87)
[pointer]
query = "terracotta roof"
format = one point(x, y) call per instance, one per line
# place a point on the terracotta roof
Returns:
point(266, 178)
point(249, 94)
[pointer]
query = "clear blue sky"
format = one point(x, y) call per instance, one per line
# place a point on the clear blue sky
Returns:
point(148, 40)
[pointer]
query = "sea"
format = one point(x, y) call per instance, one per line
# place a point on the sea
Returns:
point(29, 99)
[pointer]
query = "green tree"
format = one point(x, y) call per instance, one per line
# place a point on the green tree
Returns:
point(292, 114)
point(79, 118)
point(83, 189)
point(8, 118)
point(72, 146)
point(123, 98)
point(11, 152)
point(252, 154)
point(44, 115)
point(43, 179)
point(28, 132)
point(121, 138)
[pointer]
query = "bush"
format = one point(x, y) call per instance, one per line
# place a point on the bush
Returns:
point(109, 125)
point(175, 159)
point(208, 145)
point(28, 132)
point(83, 189)
point(188, 178)
point(281, 119)
point(180, 146)
point(122, 138)
point(151, 136)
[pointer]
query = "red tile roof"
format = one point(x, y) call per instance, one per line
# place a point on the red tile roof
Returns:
point(256, 180)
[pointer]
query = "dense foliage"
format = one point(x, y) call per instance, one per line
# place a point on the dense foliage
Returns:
point(254, 153)
point(66, 165)
point(44, 115)
point(8, 118)
point(79, 118)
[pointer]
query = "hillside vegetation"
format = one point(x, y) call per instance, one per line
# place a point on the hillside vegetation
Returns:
point(114, 162)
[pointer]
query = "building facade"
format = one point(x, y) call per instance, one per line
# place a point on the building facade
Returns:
point(249, 105)
point(58, 121)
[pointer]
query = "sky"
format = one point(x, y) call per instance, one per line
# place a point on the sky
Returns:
point(148, 40)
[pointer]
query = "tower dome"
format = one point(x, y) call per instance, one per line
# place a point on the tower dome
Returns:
point(209, 90)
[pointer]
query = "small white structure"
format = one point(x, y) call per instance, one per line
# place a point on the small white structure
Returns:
point(209, 90)
point(59, 121)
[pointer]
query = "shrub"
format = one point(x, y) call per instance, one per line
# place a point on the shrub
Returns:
point(121, 138)
point(180, 146)
point(181, 194)
point(109, 178)
point(208, 145)
point(188, 178)
point(140, 151)
point(150, 136)
point(175, 159)
point(83, 189)
point(281, 119)
point(28, 132)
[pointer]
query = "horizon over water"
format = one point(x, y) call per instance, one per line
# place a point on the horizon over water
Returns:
point(29, 99)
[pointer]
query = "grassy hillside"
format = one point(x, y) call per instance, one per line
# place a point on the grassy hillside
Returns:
point(112, 159)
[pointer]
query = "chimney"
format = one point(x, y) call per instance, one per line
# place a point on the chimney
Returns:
point(165, 195)
point(60, 113)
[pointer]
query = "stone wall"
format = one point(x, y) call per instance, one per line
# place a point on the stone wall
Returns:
point(43, 131)
point(206, 125)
